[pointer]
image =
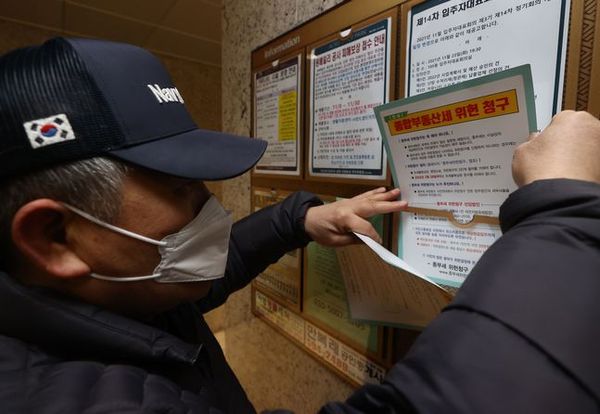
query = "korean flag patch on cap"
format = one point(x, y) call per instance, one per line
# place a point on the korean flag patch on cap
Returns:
point(48, 131)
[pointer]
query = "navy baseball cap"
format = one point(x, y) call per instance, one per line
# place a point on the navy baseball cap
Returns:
point(70, 99)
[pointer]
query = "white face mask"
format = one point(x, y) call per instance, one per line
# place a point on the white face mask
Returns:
point(197, 252)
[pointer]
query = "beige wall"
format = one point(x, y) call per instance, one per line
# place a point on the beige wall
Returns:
point(13, 35)
point(274, 372)
point(200, 84)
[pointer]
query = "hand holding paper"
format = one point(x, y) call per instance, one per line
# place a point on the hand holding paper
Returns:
point(387, 291)
point(567, 148)
point(390, 257)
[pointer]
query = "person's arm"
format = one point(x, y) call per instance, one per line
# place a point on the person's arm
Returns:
point(263, 237)
point(259, 240)
point(521, 335)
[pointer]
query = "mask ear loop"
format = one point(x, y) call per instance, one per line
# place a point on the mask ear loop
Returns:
point(123, 278)
point(113, 228)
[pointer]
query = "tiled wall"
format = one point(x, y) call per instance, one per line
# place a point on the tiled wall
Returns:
point(274, 372)
point(199, 84)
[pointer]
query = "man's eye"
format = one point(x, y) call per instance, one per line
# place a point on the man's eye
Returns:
point(182, 190)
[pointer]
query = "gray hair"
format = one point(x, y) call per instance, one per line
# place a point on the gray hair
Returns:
point(92, 185)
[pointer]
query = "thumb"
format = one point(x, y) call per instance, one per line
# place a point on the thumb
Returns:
point(364, 227)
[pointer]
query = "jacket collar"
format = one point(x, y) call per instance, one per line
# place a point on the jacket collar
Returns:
point(49, 320)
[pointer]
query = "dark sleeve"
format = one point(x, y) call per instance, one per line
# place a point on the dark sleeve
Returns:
point(521, 335)
point(259, 240)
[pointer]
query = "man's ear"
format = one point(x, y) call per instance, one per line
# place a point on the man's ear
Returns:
point(38, 233)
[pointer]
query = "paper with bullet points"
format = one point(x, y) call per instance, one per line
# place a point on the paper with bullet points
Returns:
point(451, 150)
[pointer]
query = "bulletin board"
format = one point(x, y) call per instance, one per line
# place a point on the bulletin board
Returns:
point(278, 115)
point(349, 73)
point(313, 89)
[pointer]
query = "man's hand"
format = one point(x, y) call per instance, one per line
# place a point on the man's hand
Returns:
point(332, 224)
point(568, 148)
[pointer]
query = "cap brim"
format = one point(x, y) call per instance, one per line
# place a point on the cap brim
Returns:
point(199, 154)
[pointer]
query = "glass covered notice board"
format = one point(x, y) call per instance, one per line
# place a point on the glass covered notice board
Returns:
point(313, 93)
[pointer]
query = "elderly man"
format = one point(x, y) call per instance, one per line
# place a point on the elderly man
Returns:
point(112, 248)
point(112, 245)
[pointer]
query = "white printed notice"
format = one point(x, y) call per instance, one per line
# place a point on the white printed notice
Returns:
point(276, 117)
point(349, 77)
point(456, 40)
point(451, 152)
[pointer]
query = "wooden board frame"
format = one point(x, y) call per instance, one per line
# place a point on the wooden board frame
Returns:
point(581, 92)
point(335, 19)
point(299, 339)
point(340, 17)
point(392, 14)
point(583, 58)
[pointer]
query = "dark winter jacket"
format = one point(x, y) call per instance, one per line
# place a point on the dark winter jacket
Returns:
point(59, 355)
point(522, 335)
